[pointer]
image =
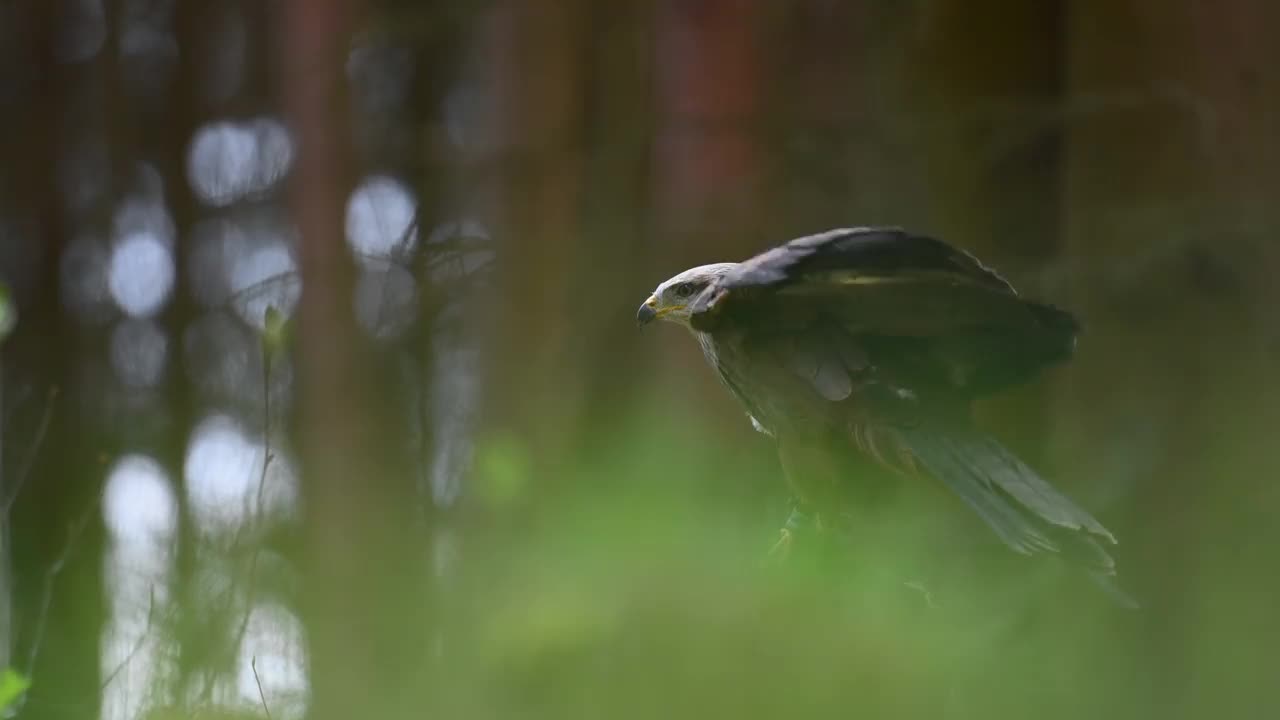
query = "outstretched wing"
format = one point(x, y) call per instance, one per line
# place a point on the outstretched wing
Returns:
point(917, 306)
point(882, 337)
point(1022, 508)
point(864, 255)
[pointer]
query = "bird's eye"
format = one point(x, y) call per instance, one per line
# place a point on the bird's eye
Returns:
point(684, 289)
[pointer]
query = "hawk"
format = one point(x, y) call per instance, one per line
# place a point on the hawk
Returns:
point(872, 343)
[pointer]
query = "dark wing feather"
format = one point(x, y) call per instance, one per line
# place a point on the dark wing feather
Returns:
point(1012, 497)
point(1027, 513)
point(913, 301)
point(872, 252)
point(885, 337)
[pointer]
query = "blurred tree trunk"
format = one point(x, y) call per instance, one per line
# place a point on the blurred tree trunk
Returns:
point(363, 602)
point(57, 529)
point(845, 145)
point(983, 89)
point(1172, 166)
point(984, 86)
point(172, 131)
point(709, 121)
point(536, 78)
point(709, 175)
point(616, 209)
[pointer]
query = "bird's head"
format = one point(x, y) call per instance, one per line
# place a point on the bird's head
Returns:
point(673, 298)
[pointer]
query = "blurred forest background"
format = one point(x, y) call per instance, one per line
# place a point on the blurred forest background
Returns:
point(325, 398)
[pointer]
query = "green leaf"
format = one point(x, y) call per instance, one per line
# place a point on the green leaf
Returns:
point(12, 685)
point(8, 313)
point(274, 330)
point(502, 470)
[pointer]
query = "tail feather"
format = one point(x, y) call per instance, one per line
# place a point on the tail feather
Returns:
point(1114, 591)
point(1023, 509)
point(1027, 487)
point(946, 460)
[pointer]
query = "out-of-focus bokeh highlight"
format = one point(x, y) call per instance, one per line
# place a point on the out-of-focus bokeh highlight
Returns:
point(321, 394)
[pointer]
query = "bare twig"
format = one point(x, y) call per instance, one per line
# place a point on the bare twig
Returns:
point(253, 290)
point(18, 398)
point(24, 470)
point(399, 255)
point(253, 663)
point(74, 531)
point(266, 432)
point(267, 457)
point(137, 645)
point(51, 575)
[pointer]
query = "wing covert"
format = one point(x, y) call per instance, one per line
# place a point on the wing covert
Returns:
point(912, 303)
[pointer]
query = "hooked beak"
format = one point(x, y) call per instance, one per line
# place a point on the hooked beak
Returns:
point(647, 312)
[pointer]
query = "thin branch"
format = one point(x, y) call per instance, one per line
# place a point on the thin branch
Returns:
point(253, 663)
point(24, 470)
point(267, 457)
point(74, 531)
point(146, 631)
point(291, 277)
point(266, 431)
point(252, 290)
point(15, 403)
point(51, 575)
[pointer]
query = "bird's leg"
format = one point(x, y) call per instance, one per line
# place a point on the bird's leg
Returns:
point(796, 522)
point(781, 549)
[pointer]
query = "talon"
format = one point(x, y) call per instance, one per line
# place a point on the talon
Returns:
point(782, 548)
point(797, 520)
point(923, 590)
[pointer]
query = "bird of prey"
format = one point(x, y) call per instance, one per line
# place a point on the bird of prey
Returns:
point(871, 343)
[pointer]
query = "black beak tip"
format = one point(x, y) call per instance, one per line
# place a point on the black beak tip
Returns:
point(645, 315)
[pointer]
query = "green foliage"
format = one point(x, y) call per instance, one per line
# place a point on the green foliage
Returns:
point(275, 331)
point(502, 470)
point(12, 685)
point(634, 584)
